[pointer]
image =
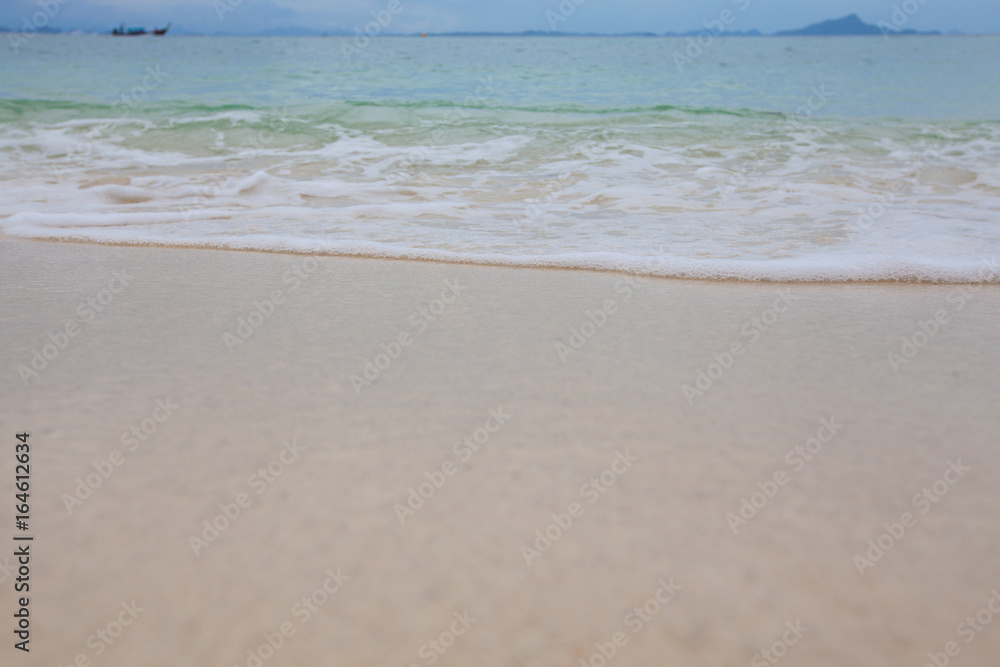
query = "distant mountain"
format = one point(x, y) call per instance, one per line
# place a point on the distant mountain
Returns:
point(849, 25)
point(288, 31)
point(45, 30)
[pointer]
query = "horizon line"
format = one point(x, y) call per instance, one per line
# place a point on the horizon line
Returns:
point(309, 32)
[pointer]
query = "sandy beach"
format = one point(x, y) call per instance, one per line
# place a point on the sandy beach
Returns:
point(249, 458)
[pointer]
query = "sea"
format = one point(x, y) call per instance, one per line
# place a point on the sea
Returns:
point(786, 159)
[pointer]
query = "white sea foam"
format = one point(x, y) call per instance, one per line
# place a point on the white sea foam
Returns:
point(748, 198)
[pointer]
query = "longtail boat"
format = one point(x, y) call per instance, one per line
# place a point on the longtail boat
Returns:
point(132, 32)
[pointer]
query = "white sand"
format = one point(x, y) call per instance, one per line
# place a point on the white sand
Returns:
point(494, 347)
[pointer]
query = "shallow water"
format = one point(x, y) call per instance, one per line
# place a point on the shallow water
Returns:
point(777, 158)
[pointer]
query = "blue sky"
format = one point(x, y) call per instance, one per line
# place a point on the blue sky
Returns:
point(254, 16)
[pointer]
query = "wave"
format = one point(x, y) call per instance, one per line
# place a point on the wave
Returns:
point(737, 196)
point(828, 267)
point(566, 108)
point(18, 109)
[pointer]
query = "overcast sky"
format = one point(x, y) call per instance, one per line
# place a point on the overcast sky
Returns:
point(601, 16)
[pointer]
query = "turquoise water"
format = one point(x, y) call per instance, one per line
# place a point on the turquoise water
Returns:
point(777, 158)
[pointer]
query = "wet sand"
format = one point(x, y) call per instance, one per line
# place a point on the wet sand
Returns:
point(480, 396)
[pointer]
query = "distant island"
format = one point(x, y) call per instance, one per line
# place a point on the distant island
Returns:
point(846, 26)
point(849, 25)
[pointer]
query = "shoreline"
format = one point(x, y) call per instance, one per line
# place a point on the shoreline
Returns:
point(987, 267)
